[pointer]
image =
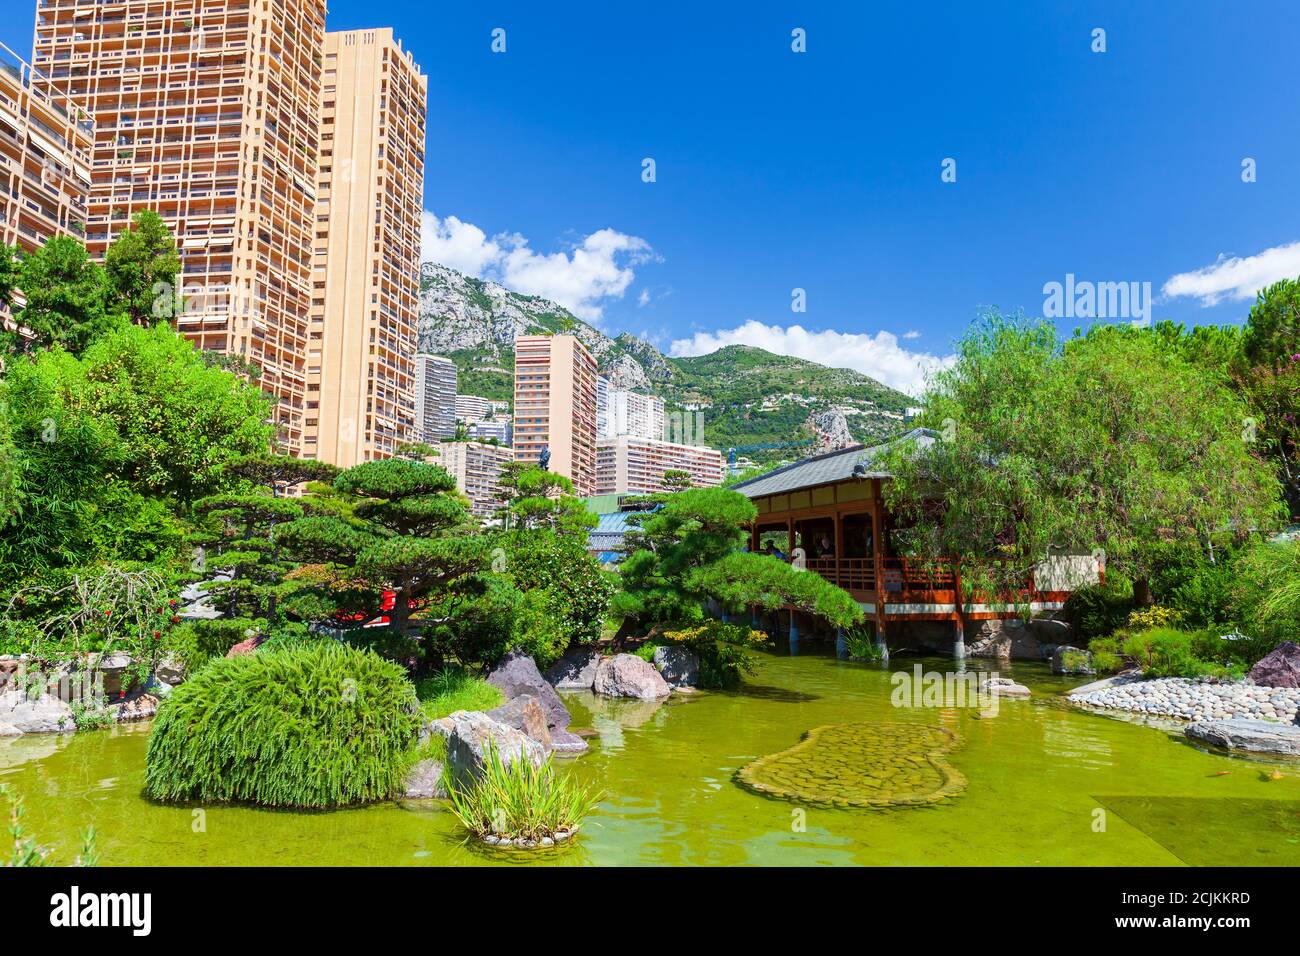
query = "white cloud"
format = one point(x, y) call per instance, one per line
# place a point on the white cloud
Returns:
point(879, 355)
point(599, 268)
point(644, 298)
point(913, 334)
point(1236, 278)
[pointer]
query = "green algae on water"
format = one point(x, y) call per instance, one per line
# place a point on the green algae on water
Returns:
point(860, 765)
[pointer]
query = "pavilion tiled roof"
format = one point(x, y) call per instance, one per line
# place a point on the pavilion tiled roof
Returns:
point(832, 467)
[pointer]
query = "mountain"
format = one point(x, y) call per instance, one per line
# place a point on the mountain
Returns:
point(744, 395)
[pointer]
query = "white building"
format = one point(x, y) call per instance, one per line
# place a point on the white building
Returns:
point(620, 411)
point(472, 408)
point(435, 397)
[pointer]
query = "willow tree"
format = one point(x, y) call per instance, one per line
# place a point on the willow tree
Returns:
point(1106, 442)
point(410, 534)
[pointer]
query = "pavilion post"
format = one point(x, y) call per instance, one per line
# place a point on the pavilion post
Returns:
point(878, 560)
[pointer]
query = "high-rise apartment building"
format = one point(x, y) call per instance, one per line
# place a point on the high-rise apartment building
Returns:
point(497, 429)
point(555, 406)
point(472, 408)
point(435, 397)
point(361, 365)
point(629, 464)
point(207, 111)
point(45, 143)
point(477, 469)
point(620, 411)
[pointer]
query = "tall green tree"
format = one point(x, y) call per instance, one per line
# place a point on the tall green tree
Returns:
point(1269, 376)
point(1108, 442)
point(142, 266)
point(67, 298)
point(532, 498)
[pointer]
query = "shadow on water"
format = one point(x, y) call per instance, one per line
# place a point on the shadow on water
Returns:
point(779, 694)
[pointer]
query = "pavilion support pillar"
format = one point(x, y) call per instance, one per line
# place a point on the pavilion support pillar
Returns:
point(794, 632)
point(841, 644)
point(878, 562)
point(959, 619)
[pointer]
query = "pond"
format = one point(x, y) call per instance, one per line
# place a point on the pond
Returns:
point(1037, 783)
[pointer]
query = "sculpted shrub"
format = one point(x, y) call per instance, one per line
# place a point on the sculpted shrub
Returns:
point(313, 725)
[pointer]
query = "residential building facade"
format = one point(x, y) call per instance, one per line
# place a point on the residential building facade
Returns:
point(620, 411)
point(207, 111)
point(435, 397)
point(361, 359)
point(630, 464)
point(477, 469)
point(498, 429)
point(45, 149)
point(472, 408)
point(555, 407)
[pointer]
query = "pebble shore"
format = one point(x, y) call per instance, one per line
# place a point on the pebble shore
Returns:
point(1200, 699)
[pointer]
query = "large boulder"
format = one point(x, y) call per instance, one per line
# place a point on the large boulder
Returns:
point(1051, 630)
point(576, 670)
point(1072, 660)
point(524, 713)
point(1004, 639)
point(1006, 687)
point(626, 675)
point(1280, 667)
point(679, 666)
point(24, 714)
point(518, 674)
point(469, 733)
point(1252, 736)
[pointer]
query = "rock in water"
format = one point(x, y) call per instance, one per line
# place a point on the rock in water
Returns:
point(21, 714)
point(574, 671)
point(1072, 660)
point(468, 735)
point(518, 674)
point(524, 713)
point(424, 781)
point(1280, 667)
point(626, 675)
point(679, 666)
point(1254, 736)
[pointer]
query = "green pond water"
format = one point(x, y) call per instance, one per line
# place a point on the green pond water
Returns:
point(1037, 783)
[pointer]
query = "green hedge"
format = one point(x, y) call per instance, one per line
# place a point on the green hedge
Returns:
point(314, 725)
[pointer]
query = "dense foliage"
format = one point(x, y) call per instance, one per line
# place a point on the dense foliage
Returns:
point(318, 725)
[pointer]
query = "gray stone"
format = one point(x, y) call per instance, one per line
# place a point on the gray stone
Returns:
point(1004, 639)
point(518, 674)
point(1129, 676)
point(170, 670)
point(576, 670)
point(424, 781)
point(524, 713)
point(42, 714)
point(1006, 687)
point(468, 741)
point(567, 742)
point(626, 675)
point(1072, 660)
point(1253, 736)
point(1050, 630)
point(679, 666)
point(114, 670)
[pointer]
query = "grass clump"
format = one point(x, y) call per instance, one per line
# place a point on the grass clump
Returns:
point(521, 801)
point(313, 725)
point(453, 689)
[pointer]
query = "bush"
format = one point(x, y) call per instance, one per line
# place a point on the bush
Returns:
point(723, 650)
point(1106, 658)
point(1100, 609)
point(454, 689)
point(1144, 619)
point(521, 801)
point(197, 642)
point(579, 592)
point(1266, 597)
point(1167, 652)
point(319, 725)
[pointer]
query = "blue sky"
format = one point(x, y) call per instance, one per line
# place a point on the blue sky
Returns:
point(778, 170)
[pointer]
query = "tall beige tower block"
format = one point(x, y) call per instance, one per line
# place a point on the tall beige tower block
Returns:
point(361, 371)
point(207, 112)
point(555, 406)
